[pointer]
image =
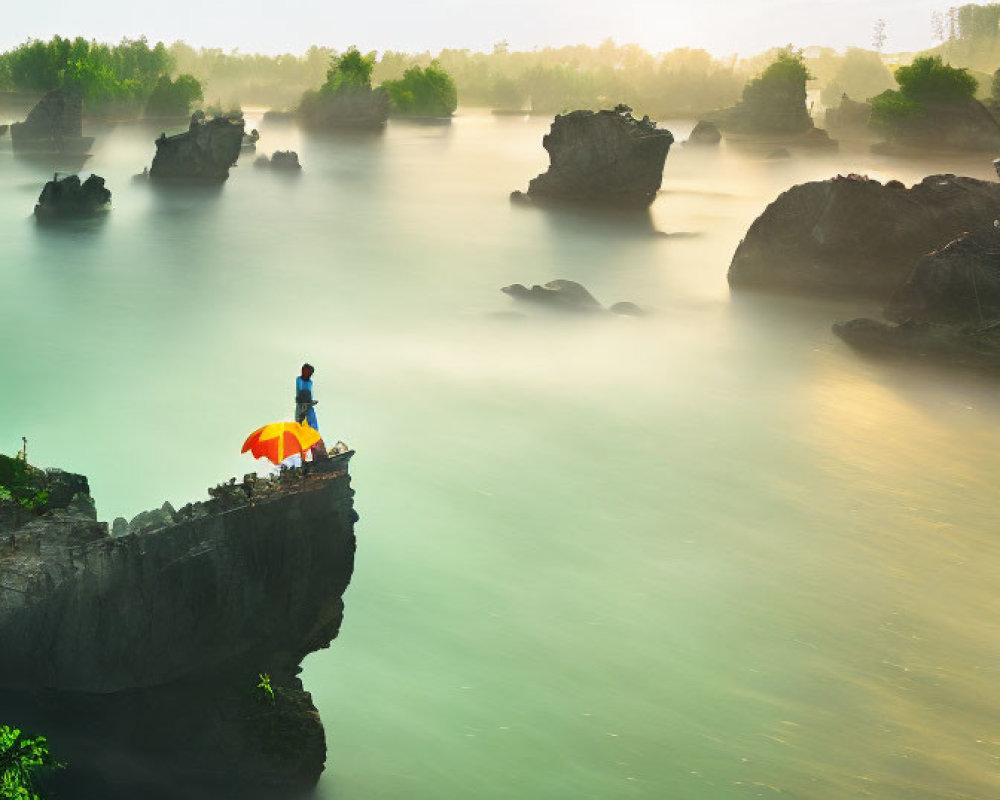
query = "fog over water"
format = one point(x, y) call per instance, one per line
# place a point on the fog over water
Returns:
point(709, 553)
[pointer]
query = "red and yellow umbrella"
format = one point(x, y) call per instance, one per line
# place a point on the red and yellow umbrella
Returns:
point(279, 440)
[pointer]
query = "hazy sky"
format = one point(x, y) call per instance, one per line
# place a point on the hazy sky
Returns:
point(722, 26)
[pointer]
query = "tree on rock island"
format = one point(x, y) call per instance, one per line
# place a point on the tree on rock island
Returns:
point(774, 102)
point(426, 92)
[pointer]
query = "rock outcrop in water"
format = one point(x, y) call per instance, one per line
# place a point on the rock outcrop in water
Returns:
point(280, 160)
point(565, 295)
point(855, 236)
point(204, 152)
point(55, 125)
point(154, 648)
point(359, 108)
point(705, 133)
point(948, 307)
point(69, 198)
point(603, 158)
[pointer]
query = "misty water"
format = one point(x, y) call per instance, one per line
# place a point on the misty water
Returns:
point(707, 553)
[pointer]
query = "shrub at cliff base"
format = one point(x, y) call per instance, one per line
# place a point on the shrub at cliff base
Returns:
point(22, 759)
point(928, 81)
point(426, 92)
point(174, 98)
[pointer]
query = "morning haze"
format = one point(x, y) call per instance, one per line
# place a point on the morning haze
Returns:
point(647, 353)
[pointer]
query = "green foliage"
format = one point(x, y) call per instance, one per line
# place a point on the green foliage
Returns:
point(995, 86)
point(109, 77)
point(426, 92)
point(786, 76)
point(22, 759)
point(928, 78)
point(265, 687)
point(892, 111)
point(351, 71)
point(775, 102)
point(174, 98)
point(22, 484)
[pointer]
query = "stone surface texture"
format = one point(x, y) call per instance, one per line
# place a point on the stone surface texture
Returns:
point(204, 152)
point(603, 158)
point(854, 236)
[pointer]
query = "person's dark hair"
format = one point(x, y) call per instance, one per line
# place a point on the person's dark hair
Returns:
point(309, 367)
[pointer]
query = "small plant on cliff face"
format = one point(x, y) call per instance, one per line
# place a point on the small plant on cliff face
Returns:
point(264, 685)
point(22, 758)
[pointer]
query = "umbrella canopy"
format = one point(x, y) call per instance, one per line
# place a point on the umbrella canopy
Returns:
point(279, 440)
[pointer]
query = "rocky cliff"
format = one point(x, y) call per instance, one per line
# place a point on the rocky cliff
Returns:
point(149, 648)
point(855, 236)
point(204, 152)
point(353, 109)
point(604, 158)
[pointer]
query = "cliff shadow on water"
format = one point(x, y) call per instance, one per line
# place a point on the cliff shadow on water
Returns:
point(163, 661)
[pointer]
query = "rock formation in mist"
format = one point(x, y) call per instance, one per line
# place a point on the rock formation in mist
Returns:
point(68, 197)
point(855, 236)
point(204, 152)
point(154, 645)
point(352, 109)
point(54, 124)
point(604, 158)
point(705, 133)
point(948, 307)
point(565, 295)
point(849, 117)
point(280, 160)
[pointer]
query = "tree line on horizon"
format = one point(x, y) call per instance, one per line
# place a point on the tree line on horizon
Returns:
point(122, 79)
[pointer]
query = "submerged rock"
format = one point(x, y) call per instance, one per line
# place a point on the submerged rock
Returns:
point(280, 159)
point(204, 152)
point(566, 295)
point(854, 236)
point(604, 158)
point(68, 197)
point(55, 125)
point(177, 645)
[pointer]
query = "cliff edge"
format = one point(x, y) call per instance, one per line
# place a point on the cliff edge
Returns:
point(178, 646)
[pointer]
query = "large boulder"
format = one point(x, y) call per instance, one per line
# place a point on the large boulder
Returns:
point(204, 152)
point(605, 158)
point(855, 236)
point(705, 133)
point(958, 283)
point(54, 124)
point(68, 197)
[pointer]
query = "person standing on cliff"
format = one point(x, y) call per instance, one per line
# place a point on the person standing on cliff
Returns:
point(305, 406)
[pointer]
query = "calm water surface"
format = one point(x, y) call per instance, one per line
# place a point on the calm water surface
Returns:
point(709, 553)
